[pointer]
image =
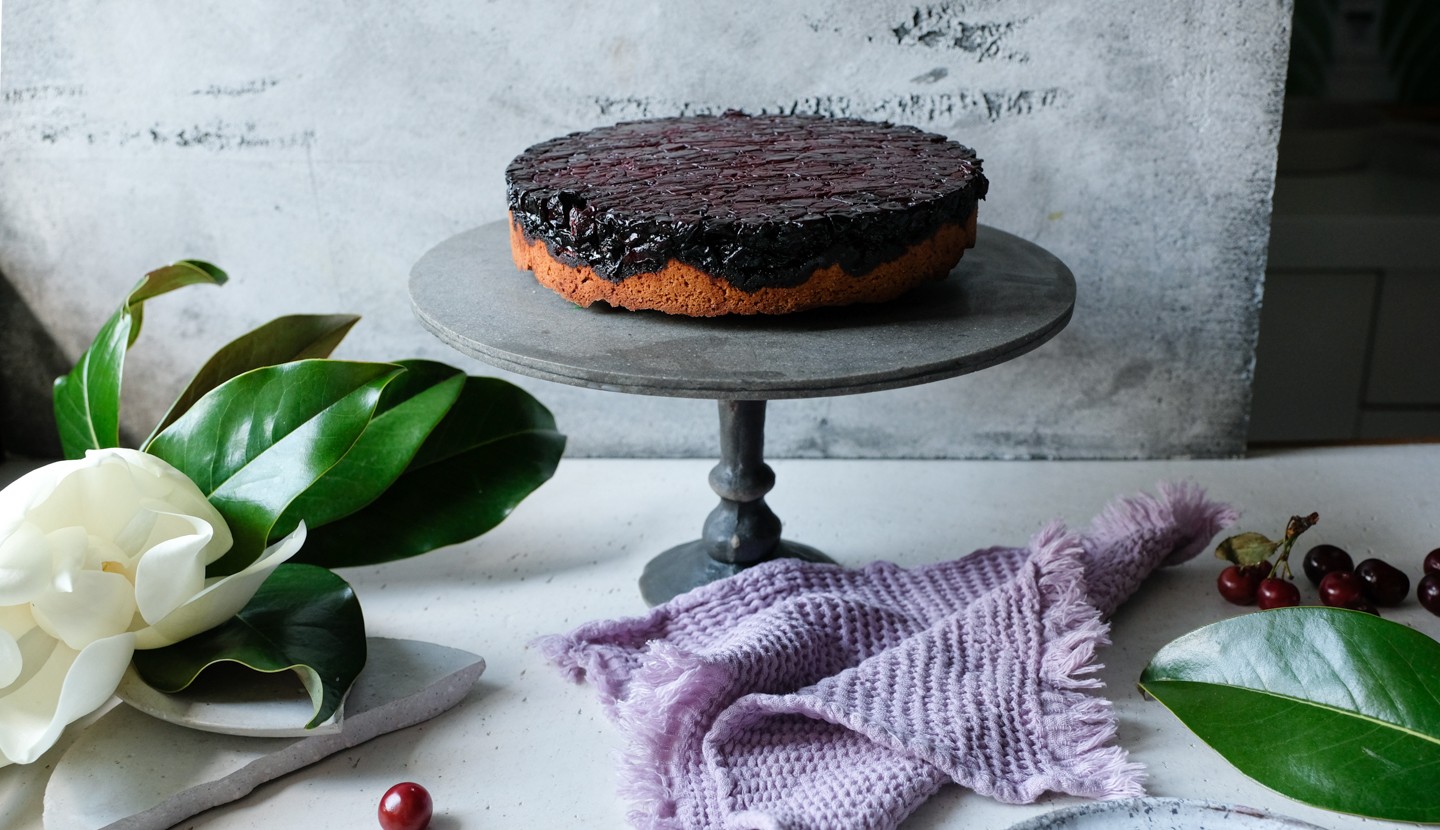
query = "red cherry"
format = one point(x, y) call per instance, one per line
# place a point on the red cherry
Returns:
point(1277, 593)
point(1322, 559)
point(1428, 592)
point(1238, 584)
point(1432, 561)
point(405, 806)
point(1341, 589)
point(1383, 583)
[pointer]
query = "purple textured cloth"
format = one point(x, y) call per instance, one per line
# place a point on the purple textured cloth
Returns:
point(797, 695)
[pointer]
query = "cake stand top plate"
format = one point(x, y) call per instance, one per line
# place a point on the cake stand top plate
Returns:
point(1006, 297)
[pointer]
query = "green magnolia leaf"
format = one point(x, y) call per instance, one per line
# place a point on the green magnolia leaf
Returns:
point(1246, 549)
point(494, 447)
point(167, 279)
point(295, 337)
point(87, 400)
point(303, 619)
point(409, 409)
point(1348, 703)
point(257, 441)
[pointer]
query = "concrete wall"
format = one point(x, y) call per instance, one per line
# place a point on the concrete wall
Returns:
point(315, 151)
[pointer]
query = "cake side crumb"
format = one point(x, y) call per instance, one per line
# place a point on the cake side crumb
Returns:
point(685, 290)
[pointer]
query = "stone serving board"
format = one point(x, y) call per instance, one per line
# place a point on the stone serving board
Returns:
point(133, 771)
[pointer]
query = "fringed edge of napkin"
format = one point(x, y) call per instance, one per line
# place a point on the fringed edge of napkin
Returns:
point(1081, 725)
point(1182, 505)
point(673, 692)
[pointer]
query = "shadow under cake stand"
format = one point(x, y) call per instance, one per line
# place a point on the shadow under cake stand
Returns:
point(1006, 297)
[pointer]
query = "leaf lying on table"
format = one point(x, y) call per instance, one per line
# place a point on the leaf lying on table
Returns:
point(409, 410)
point(492, 449)
point(87, 400)
point(256, 442)
point(303, 618)
point(1338, 709)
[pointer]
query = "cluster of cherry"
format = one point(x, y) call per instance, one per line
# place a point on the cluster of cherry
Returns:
point(1368, 586)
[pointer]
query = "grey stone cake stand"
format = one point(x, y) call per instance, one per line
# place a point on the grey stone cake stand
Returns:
point(1006, 297)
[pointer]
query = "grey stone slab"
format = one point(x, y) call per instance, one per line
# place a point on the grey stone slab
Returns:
point(1005, 297)
point(131, 771)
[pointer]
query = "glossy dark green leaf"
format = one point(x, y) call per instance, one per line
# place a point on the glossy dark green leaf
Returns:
point(495, 446)
point(256, 442)
point(166, 279)
point(294, 337)
point(1335, 708)
point(409, 409)
point(303, 619)
point(87, 399)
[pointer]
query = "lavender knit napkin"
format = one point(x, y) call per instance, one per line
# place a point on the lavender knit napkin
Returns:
point(797, 695)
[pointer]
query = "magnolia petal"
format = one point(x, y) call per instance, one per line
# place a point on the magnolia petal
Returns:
point(68, 548)
point(99, 605)
point(11, 661)
point(34, 715)
point(132, 540)
point(24, 564)
point(176, 493)
point(221, 600)
point(173, 570)
point(16, 620)
point(187, 500)
point(198, 520)
point(97, 492)
point(27, 490)
point(35, 648)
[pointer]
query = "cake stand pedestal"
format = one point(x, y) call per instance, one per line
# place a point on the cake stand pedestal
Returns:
point(1006, 297)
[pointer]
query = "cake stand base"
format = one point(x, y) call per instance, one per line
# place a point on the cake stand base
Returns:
point(742, 530)
point(690, 565)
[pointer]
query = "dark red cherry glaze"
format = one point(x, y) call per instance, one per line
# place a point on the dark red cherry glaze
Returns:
point(759, 200)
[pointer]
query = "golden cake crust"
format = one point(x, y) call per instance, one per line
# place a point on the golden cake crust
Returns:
point(683, 289)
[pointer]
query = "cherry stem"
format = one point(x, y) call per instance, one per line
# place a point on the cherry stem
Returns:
point(1296, 526)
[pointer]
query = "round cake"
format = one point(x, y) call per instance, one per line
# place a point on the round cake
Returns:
point(739, 214)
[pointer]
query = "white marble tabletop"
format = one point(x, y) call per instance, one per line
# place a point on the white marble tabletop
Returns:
point(529, 749)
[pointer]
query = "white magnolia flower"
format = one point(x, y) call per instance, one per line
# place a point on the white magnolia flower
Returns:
point(98, 557)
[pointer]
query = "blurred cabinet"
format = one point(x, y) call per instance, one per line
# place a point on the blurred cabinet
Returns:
point(1405, 357)
point(1349, 343)
point(1311, 358)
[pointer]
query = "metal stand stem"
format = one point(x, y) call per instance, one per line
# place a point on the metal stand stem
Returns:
point(742, 530)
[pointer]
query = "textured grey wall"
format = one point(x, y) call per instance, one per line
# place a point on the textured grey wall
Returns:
point(315, 151)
